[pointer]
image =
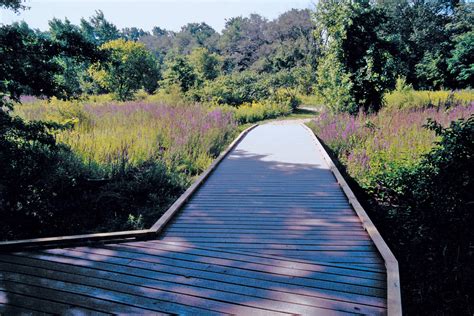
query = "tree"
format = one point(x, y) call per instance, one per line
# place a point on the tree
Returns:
point(461, 63)
point(160, 44)
point(205, 64)
point(98, 30)
point(129, 67)
point(158, 31)
point(241, 40)
point(422, 32)
point(15, 5)
point(194, 35)
point(178, 71)
point(29, 153)
point(356, 66)
point(29, 60)
point(289, 43)
point(74, 69)
point(133, 33)
point(431, 71)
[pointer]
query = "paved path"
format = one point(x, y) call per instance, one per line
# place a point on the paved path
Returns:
point(270, 232)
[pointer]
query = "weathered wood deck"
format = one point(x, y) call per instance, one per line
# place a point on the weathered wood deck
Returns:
point(271, 231)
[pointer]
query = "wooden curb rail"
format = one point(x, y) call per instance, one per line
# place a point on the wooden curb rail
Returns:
point(16, 245)
point(394, 301)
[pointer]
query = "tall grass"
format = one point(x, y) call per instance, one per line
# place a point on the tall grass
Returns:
point(258, 111)
point(406, 98)
point(185, 138)
point(417, 187)
point(371, 146)
point(119, 167)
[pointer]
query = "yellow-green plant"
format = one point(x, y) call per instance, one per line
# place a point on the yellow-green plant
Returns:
point(129, 67)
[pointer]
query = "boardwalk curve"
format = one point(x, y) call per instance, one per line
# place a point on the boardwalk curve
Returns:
point(270, 231)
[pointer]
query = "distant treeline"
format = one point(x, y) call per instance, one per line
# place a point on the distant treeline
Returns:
point(347, 52)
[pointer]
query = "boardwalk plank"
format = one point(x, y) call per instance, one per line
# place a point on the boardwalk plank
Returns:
point(270, 231)
point(35, 289)
point(184, 298)
point(38, 306)
point(157, 279)
point(220, 268)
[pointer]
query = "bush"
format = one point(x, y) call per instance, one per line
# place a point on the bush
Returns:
point(234, 89)
point(432, 211)
point(55, 193)
point(404, 97)
point(257, 111)
point(286, 97)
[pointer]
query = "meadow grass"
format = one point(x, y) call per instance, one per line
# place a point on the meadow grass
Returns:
point(119, 167)
point(110, 133)
point(411, 99)
point(416, 186)
point(370, 146)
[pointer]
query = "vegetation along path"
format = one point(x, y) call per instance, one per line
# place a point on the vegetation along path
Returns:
point(272, 231)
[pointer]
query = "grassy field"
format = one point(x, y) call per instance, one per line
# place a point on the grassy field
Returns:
point(371, 146)
point(185, 138)
point(135, 157)
point(416, 183)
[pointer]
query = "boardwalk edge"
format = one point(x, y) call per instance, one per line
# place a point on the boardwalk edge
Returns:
point(171, 212)
point(394, 301)
point(14, 245)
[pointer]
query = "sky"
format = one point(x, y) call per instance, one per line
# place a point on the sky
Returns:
point(145, 14)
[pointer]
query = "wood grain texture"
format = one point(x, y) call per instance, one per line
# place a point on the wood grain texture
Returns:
point(393, 276)
point(267, 230)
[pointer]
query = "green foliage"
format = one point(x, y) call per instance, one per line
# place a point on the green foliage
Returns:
point(355, 69)
point(235, 89)
point(240, 37)
point(334, 85)
point(15, 5)
point(37, 70)
point(258, 111)
point(461, 64)
point(431, 71)
point(418, 182)
point(178, 71)
point(286, 97)
point(132, 33)
point(73, 75)
point(423, 34)
point(98, 30)
point(206, 65)
point(129, 67)
point(432, 208)
point(194, 35)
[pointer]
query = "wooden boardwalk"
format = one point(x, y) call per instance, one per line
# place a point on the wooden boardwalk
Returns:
point(269, 232)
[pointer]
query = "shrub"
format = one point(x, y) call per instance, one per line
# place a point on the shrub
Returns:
point(432, 211)
point(404, 97)
point(235, 89)
point(286, 97)
point(257, 111)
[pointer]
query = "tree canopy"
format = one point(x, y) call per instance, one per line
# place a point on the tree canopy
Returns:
point(129, 67)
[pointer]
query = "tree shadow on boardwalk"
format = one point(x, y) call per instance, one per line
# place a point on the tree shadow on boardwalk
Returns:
point(261, 236)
